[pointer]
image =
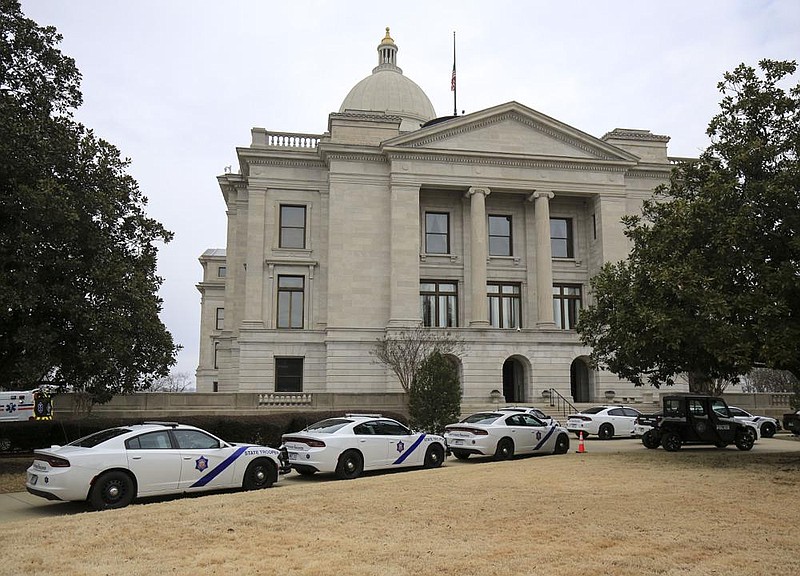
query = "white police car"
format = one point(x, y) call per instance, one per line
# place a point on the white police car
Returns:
point(504, 433)
point(354, 443)
point(112, 467)
point(767, 427)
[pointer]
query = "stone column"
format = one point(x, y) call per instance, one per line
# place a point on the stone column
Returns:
point(478, 255)
point(404, 308)
point(544, 259)
point(254, 258)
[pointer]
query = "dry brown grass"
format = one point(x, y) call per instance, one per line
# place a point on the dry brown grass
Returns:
point(697, 512)
point(12, 473)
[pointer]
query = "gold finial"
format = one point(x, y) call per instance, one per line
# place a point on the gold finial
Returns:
point(387, 39)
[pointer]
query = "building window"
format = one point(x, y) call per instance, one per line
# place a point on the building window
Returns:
point(222, 272)
point(290, 301)
point(561, 238)
point(293, 227)
point(215, 386)
point(216, 355)
point(594, 227)
point(500, 236)
point(220, 318)
point(439, 302)
point(437, 233)
point(566, 305)
point(288, 374)
point(504, 305)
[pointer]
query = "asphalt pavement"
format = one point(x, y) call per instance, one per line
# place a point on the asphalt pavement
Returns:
point(23, 506)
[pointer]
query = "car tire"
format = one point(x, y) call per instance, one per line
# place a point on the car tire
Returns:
point(606, 432)
point(260, 473)
point(671, 442)
point(460, 454)
point(5, 444)
point(434, 456)
point(745, 438)
point(504, 450)
point(650, 439)
point(112, 490)
point(562, 444)
point(721, 444)
point(350, 465)
point(768, 430)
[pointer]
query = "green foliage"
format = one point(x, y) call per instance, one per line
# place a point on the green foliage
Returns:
point(78, 288)
point(435, 396)
point(712, 284)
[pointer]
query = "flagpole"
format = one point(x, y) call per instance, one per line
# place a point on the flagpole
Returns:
point(453, 80)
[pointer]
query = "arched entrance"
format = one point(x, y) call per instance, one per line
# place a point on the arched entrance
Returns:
point(514, 381)
point(579, 381)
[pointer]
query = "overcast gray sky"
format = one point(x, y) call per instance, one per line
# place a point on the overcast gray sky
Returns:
point(177, 85)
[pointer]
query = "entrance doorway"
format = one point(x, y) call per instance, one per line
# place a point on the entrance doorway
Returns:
point(513, 381)
point(579, 381)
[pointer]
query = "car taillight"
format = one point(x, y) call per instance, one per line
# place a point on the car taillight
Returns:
point(580, 417)
point(473, 431)
point(54, 461)
point(307, 441)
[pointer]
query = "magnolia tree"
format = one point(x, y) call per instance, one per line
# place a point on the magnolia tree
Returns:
point(711, 287)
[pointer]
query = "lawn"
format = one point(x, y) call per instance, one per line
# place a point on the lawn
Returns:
point(696, 512)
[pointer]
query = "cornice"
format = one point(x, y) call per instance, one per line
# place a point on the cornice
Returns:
point(512, 161)
point(287, 162)
point(628, 134)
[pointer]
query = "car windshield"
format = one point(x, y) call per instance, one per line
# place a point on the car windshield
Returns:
point(93, 440)
point(594, 410)
point(481, 418)
point(329, 426)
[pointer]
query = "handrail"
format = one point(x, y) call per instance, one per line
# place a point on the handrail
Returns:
point(560, 403)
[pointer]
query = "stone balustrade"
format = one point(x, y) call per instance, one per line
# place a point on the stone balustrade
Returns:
point(286, 399)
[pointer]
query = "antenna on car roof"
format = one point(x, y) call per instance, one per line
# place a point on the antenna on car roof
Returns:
point(170, 424)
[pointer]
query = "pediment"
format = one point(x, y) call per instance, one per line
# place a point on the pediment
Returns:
point(510, 129)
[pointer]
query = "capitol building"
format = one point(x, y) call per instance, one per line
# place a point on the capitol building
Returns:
point(488, 225)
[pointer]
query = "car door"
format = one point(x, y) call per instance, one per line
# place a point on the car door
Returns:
point(372, 443)
point(630, 421)
point(205, 462)
point(542, 435)
point(522, 435)
point(155, 462)
point(405, 448)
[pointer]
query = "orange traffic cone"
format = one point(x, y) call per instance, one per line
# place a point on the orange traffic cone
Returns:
point(581, 447)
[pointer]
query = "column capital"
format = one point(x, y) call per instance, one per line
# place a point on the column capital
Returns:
point(541, 194)
point(476, 190)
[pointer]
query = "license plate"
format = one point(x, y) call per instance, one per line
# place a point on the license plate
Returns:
point(34, 479)
point(457, 442)
point(292, 455)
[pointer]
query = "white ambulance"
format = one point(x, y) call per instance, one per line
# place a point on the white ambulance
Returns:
point(36, 404)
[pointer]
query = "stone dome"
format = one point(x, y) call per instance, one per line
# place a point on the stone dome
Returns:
point(387, 90)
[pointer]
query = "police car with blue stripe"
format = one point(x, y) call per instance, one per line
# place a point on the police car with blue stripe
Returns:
point(111, 468)
point(504, 433)
point(353, 443)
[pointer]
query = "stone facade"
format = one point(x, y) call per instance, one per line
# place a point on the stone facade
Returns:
point(488, 224)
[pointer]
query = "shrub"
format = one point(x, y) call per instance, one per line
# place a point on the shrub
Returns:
point(435, 396)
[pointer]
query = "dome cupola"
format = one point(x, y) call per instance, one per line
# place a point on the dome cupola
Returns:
point(387, 90)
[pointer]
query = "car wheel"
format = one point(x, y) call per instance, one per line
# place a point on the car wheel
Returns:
point(768, 430)
point(562, 444)
point(745, 438)
point(671, 442)
point(112, 490)
point(434, 456)
point(350, 465)
point(505, 449)
point(650, 439)
point(460, 454)
point(260, 474)
point(5, 444)
point(606, 432)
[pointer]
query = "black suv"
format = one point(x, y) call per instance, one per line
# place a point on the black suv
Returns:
point(693, 419)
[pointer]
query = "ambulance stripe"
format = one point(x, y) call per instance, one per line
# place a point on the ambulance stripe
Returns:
point(408, 452)
point(218, 470)
point(546, 436)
